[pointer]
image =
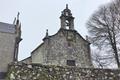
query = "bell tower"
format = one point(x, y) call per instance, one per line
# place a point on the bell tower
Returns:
point(67, 20)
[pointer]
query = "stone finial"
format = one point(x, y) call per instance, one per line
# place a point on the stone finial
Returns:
point(17, 22)
point(16, 19)
point(66, 6)
point(46, 32)
point(86, 37)
point(18, 15)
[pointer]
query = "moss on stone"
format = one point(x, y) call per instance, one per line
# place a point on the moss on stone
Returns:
point(50, 72)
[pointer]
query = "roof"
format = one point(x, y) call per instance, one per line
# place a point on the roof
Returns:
point(68, 30)
point(8, 28)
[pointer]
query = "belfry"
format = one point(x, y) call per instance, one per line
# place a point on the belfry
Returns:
point(67, 20)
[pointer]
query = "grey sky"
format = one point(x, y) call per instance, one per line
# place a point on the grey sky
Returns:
point(38, 15)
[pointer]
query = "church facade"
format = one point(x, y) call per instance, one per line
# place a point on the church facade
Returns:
point(65, 48)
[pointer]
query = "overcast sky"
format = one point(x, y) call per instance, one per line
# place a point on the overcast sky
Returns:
point(38, 15)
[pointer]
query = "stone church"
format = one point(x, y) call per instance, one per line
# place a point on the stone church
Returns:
point(62, 56)
point(65, 48)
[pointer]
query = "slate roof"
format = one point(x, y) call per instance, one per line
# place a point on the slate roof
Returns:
point(5, 27)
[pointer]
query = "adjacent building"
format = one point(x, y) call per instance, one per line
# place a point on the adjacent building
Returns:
point(10, 36)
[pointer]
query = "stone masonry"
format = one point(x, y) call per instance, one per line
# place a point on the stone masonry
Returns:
point(20, 71)
point(57, 49)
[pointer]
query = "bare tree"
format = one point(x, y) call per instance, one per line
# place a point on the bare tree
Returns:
point(104, 27)
point(101, 60)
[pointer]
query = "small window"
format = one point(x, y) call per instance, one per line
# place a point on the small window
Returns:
point(71, 62)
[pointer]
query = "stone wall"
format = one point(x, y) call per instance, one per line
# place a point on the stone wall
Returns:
point(7, 44)
point(63, 46)
point(20, 71)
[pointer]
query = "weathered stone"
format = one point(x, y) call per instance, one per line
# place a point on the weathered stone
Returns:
point(29, 66)
point(62, 73)
point(12, 76)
